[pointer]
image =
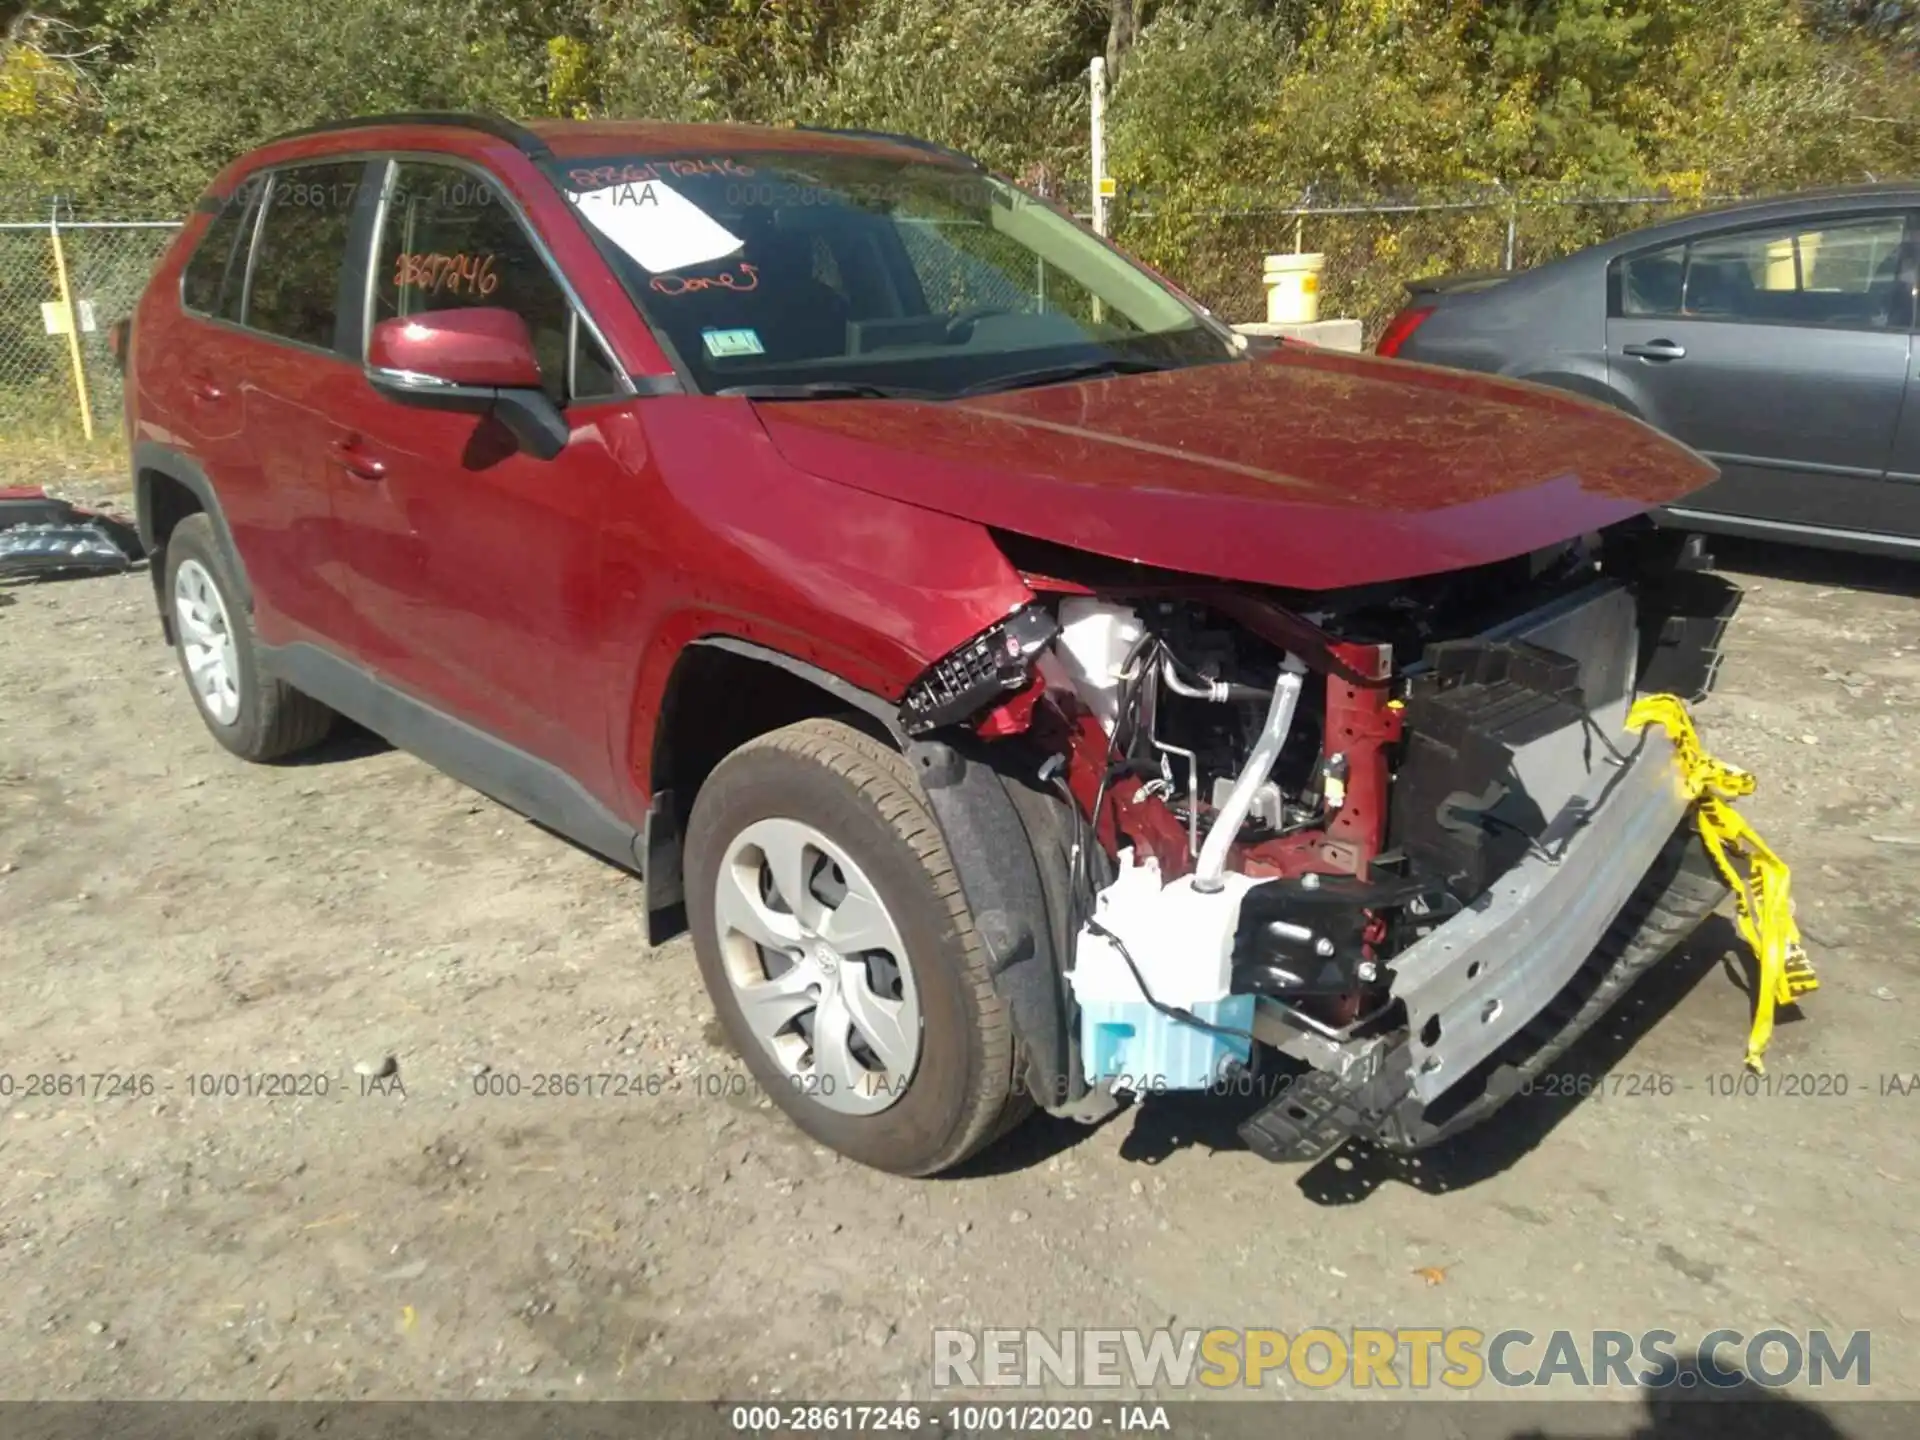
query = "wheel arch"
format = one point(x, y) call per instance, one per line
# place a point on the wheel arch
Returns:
point(720, 693)
point(168, 486)
point(1006, 834)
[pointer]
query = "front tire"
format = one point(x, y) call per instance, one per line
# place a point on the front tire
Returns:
point(253, 714)
point(840, 954)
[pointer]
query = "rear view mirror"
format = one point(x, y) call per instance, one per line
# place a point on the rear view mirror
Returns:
point(479, 360)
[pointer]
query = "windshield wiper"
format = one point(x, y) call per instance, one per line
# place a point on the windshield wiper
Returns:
point(1060, 374)
point(828, 390)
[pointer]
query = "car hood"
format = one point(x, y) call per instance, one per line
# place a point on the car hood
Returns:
point(1305, 468)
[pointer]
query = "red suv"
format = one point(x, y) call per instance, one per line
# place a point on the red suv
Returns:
point(1026, 693)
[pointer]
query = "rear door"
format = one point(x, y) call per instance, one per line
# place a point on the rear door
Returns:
point(1781, 352)
point(296, 375)
point(202, 381)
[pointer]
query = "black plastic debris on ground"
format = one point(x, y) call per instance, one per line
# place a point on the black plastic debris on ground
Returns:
point(41, 536)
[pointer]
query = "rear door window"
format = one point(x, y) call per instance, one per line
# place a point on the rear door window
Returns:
point(294, 289)
point(1650, 284)
point(215, 278)
point(1839, 273)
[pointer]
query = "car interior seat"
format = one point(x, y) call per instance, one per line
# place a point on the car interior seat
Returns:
point(1653, 285)
point(1719, 287)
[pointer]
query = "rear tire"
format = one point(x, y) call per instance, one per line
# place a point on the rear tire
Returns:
point(848, 808)
point(253, 714)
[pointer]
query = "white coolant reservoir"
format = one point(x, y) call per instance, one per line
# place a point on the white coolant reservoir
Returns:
point(1095, 640)
point(1180, 940)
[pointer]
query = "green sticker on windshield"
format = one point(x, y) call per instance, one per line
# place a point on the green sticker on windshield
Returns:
point(722, 343)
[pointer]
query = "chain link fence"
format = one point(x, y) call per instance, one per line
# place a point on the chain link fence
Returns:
point(64, 280)
point(1374, 244)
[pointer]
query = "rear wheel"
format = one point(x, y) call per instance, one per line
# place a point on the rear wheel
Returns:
point(255, 715)
point(837, 946)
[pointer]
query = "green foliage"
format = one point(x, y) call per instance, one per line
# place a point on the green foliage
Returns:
point(997, 80)
point(1000, 80)
point(1229, 106)
point(217, 76)
point(1223, 111)
point(1182, 139)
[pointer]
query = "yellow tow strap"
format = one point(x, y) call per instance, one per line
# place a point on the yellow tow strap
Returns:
point(1760, 897)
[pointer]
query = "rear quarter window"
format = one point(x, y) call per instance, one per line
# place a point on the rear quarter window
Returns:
point(216, 271)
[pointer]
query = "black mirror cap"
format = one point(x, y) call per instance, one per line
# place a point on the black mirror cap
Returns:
point(533, 420)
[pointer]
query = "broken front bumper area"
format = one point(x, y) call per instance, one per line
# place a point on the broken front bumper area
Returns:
point(1500, 990)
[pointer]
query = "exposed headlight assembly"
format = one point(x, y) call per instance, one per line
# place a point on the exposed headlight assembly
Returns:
point(994, 663)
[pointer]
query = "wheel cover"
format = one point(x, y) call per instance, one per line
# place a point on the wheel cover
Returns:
point(823, 980)
point(206, 640)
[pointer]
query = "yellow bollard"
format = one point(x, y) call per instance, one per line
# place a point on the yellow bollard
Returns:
point(73, 325)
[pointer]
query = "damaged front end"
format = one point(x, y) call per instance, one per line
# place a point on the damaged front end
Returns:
point(1400, 835)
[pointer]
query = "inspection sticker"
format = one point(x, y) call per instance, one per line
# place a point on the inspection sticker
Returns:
point(733, 342)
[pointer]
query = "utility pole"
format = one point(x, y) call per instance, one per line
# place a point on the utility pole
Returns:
point(1097, 81)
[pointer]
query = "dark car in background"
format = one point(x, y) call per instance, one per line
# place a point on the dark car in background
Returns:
point(1775, 337)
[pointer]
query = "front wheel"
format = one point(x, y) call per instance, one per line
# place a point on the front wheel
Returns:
point(834, 939)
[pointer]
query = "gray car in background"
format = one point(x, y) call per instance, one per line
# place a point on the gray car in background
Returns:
point(1775, 337)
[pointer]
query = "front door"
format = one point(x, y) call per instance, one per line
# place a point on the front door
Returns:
point(1781, 353)
point(472, 565)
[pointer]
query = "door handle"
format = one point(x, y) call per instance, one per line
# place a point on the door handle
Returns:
point(357, 462)
point(1656, 350)
point(201, 388)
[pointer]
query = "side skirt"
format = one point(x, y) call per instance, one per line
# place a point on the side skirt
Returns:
point(540, 791)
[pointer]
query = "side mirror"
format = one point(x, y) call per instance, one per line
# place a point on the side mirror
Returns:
point(479, 360)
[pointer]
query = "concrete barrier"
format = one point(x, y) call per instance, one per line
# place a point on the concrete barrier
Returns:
point(1329, 334)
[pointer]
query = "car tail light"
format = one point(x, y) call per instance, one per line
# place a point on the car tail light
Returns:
point(987, 668)
point(1400, 329)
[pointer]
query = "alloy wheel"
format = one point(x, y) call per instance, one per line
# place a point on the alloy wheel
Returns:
point(817, 966)
point(206, 642)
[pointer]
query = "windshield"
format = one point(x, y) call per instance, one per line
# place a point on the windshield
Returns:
point(797, 275)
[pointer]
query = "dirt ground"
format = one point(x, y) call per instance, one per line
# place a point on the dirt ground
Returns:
point(168, 913)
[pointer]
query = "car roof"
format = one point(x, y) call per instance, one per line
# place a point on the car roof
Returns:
point(1886, 196)
point(571, 138)
point(578, 139)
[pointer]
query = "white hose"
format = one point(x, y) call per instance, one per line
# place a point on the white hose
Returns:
point(1226, 825)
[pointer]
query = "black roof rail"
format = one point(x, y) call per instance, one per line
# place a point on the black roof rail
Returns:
point(912, 142)
point(521, 138)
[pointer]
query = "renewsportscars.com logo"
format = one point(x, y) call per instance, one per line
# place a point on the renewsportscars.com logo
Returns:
point(1398, 1359)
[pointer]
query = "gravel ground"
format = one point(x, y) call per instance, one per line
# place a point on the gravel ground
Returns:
point(168, 913)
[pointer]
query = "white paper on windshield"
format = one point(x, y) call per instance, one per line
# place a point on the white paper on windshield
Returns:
point(656, 225)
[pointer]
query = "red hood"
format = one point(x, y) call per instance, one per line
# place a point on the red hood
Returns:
point(1308, 469)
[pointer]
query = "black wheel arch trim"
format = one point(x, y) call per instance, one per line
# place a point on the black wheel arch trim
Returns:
point(151, 458)
point(840, 689)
